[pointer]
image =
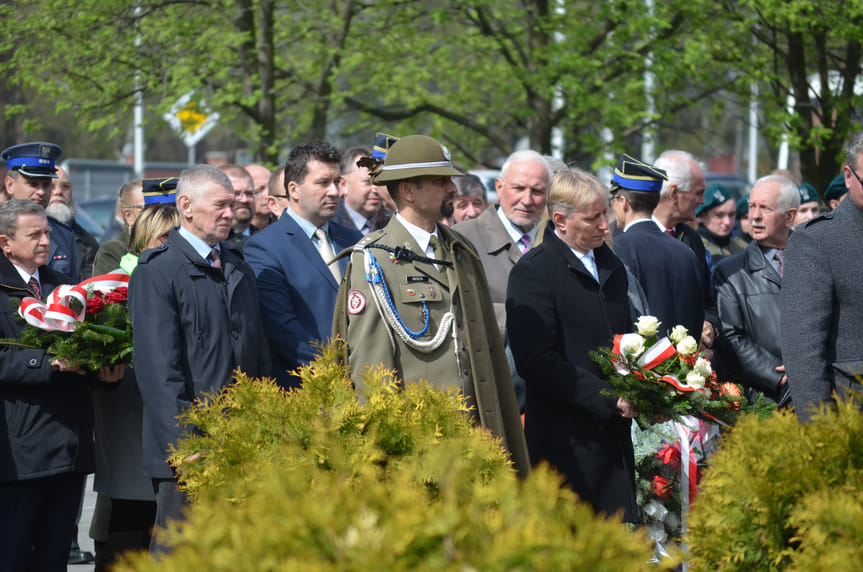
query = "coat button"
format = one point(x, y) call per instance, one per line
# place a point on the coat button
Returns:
point(34, 362)
point(235, 333)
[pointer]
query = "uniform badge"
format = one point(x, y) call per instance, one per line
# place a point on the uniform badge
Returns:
point(356, 302)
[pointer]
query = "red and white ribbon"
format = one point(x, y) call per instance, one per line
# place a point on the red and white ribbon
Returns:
point(652, 357)
point(57, 313)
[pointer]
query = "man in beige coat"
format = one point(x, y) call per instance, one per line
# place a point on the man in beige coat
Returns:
point(415, 297)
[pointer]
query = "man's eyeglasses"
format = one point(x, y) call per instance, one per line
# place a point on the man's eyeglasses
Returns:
point(279, 196)
point(248, 194)
point(611, 199)
point(856, 176)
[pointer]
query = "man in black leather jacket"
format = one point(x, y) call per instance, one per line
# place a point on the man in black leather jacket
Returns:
point(748, 286)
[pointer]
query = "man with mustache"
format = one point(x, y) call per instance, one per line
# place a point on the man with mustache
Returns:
point(293, 260)
point(415, 297)
point(62, 207)
point(748, 290)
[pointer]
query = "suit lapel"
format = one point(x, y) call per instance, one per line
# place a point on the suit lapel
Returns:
point(299, 242)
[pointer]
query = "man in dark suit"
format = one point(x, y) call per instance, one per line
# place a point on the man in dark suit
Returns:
point(194, 312)
point(61, 206)
point(361, 201)
point(748, 287)
point(578, 305)
point(665, 268)
point(822, 302)
point(291, 260)
point(46, 447)
point(681, 195)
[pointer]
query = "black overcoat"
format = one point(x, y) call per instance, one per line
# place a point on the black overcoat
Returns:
point(193, 324)
point(557, 313)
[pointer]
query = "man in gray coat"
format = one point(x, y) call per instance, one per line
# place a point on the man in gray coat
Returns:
point(194, 311)
point(502, 233)
point(822, 297)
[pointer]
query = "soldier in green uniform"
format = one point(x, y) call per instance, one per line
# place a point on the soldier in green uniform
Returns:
point(415, 297)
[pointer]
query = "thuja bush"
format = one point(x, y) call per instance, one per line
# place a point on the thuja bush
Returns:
point(315, 479)
point(779, 495)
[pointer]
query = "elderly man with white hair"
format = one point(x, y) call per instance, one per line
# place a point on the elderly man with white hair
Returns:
point(748, 290)
point(680, 196)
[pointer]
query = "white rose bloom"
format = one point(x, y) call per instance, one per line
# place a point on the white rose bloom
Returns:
point(702, 366)
point(694, 379)
point(678, 333)
point(632, 346)
point(687, 346)
point(647, 326)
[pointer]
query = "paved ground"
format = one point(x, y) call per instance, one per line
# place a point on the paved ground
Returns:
point(84, 526)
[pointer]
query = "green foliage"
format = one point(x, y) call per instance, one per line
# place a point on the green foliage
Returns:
point(313, 479)
point(780, 495)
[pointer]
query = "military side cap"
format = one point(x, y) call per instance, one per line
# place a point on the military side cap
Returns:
point(743, 205)
point(836, 188)
point(635, 175)
point(160, 191)
point(714, 195)
point(383, 142)
point(808, 193)
point(33, 159)
point(415, 156)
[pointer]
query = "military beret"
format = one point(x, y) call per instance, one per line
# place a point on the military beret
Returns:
point(714, 195)
point(160, 190)
point(635, 175)
point(415, 156)
point(836, 188)
point(808, 193)
point(743, 206)
point(33, 159)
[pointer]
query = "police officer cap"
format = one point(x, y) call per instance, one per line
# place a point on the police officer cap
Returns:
point(743, 206)
point(383, 142)
point(835, 189)
point(415, 156)
point(714, 195)
point(808, 194)
point(635, 175)
point(33, 159)
point(160, 190)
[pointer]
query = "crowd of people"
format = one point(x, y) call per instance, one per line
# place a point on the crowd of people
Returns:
point(397, 251)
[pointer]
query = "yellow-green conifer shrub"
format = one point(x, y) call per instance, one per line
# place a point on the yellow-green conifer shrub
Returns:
point(313, 479)
point(780, 495)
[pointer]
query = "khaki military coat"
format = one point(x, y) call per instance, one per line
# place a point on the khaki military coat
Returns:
point(474, 363)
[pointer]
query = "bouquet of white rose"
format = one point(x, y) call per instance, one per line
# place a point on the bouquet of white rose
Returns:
point(666, 378)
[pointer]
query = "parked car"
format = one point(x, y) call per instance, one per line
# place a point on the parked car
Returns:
point(99, 213)
point(487, 176)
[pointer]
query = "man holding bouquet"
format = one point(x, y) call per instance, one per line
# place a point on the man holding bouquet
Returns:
point(46, 447)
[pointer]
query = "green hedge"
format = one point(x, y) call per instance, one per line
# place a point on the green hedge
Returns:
point(312, 479)
point(779, 495)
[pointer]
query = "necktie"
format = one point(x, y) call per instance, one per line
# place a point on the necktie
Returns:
point(215, 260)
point(590, 264)
point(670, 232)
point(327, 254)
point(34, 285)
point(524, 242)
point(779, 255)
point(437, 249)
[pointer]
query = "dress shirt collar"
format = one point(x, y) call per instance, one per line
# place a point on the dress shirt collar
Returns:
point(514, 233)
point(361, 222)
point(659, 224)
point(636, 221)
point(578, 254)
point(25, 276)
point(201, 247)
point(420, 235)
point(307, 227)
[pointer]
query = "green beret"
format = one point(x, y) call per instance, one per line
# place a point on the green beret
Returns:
point(835, 189)
point(714, 195)
point(808, 194)
point(743, 206)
